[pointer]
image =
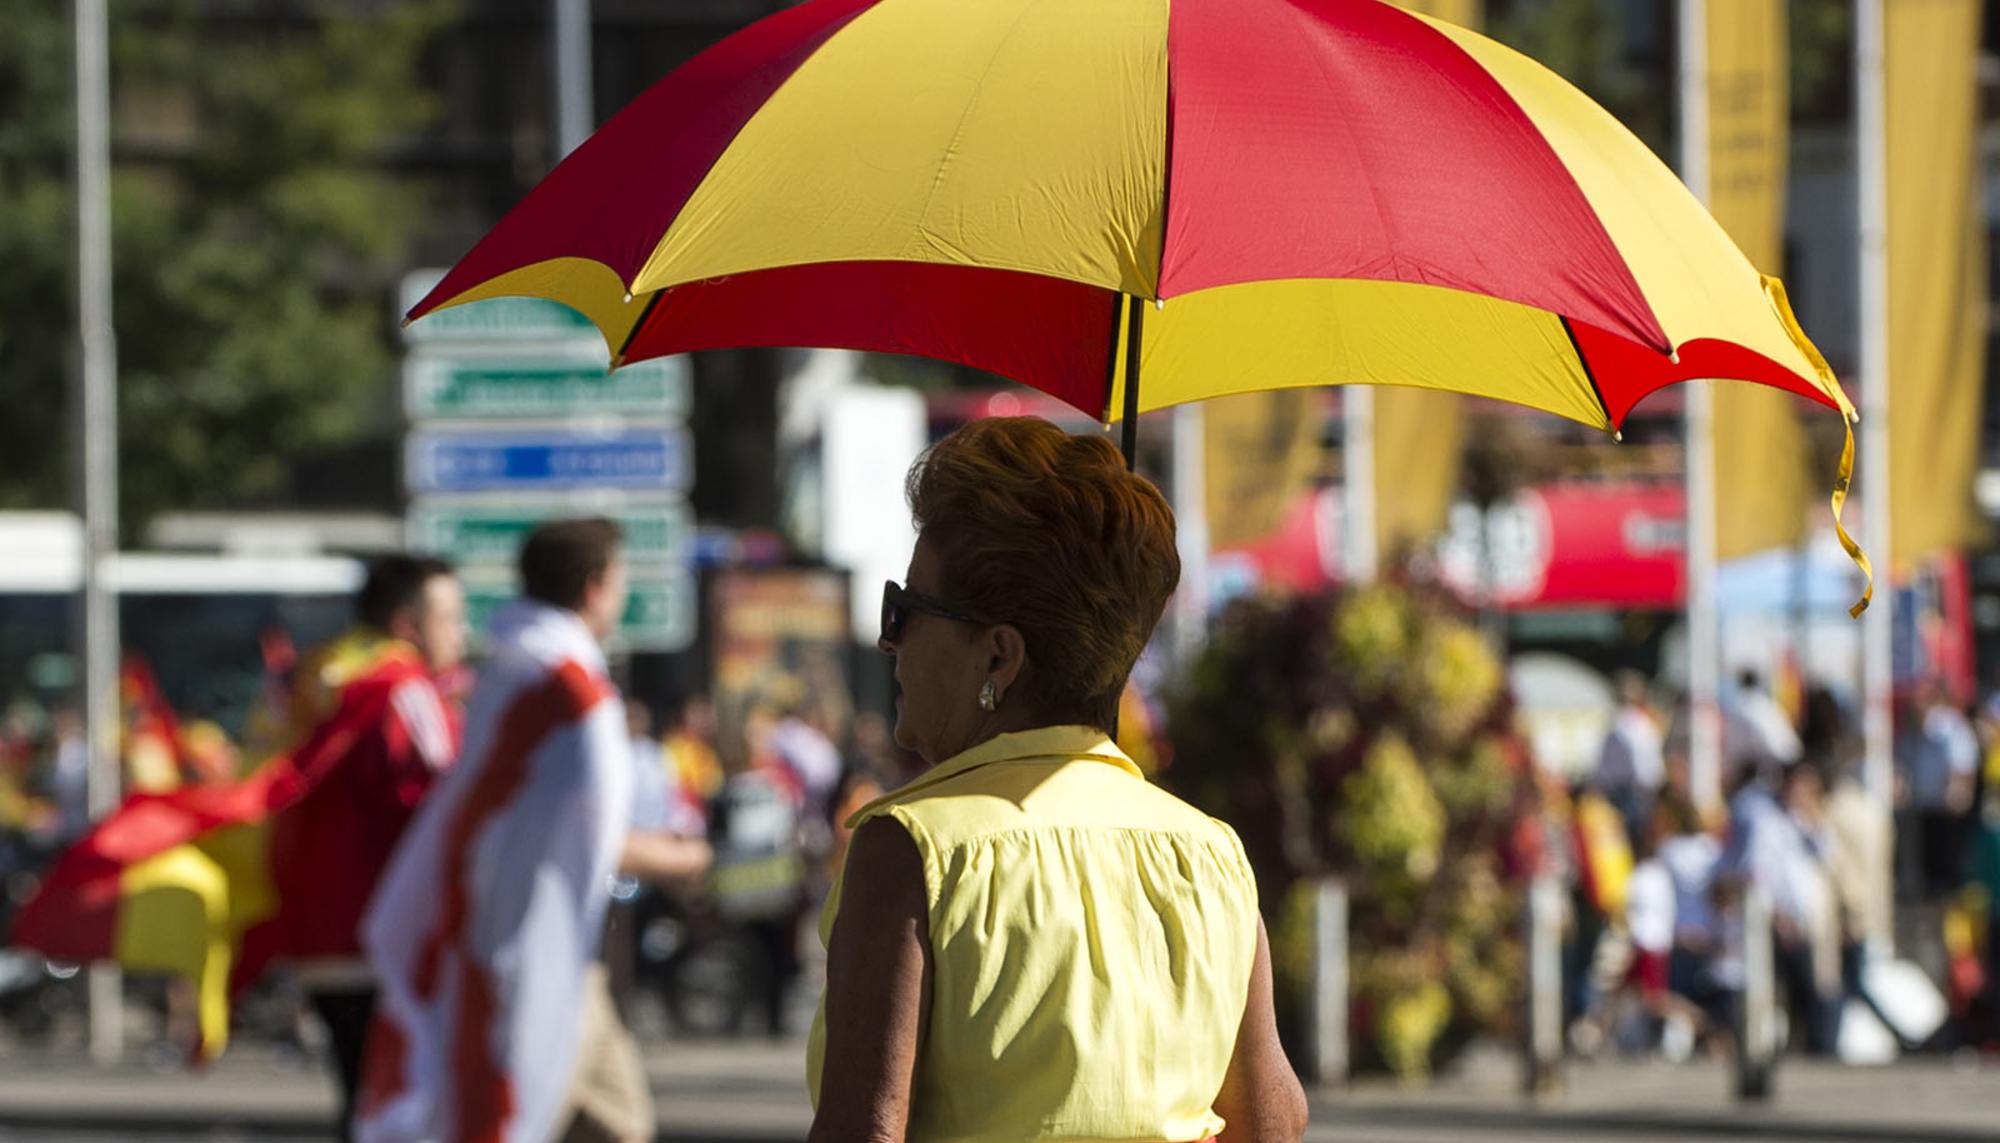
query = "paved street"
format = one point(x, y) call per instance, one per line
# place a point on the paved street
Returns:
point(751, 1091)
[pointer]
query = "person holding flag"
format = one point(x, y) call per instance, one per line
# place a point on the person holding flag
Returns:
point(375, 691)
point(495, 1021)
point(209, 881)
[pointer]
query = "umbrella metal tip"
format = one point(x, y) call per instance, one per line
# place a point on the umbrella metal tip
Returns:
point(1675, 357)
point(1618, 436)
point(1159, 304)
point(628, 297)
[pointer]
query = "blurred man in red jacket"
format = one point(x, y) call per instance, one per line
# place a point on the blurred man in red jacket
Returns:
point(378, 688)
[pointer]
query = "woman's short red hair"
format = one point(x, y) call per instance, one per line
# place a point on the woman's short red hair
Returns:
point(1048, 532)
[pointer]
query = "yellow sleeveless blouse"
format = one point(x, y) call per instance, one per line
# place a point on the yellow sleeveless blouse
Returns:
point(1091, 937)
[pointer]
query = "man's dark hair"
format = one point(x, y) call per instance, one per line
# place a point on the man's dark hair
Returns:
point(560, 558)
point(394, 583)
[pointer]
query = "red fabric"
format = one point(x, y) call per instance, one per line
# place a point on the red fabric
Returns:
point(331, 840)
point(1348, 139)
point(613, 198)
point(1626, 373)
point(325, 856)
point(1051, 334)
point(1649, 972)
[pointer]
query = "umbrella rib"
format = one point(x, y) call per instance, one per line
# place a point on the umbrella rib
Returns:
point(631, 335)
point(1589, 374)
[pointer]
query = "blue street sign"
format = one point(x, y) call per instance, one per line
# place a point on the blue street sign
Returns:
point(551, 459)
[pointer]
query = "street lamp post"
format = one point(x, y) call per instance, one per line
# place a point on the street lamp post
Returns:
point(96, 439)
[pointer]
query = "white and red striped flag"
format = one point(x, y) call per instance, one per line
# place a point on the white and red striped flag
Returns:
point(491, 910)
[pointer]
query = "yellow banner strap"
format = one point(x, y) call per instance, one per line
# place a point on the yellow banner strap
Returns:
point(1854, 551)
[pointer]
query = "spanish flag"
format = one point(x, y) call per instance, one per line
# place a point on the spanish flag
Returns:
point(174, 878)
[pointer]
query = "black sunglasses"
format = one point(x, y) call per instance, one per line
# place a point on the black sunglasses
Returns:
point(899, 603)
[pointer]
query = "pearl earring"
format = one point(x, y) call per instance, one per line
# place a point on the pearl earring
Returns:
point(989, 699)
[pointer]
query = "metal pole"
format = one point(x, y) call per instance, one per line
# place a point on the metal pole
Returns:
point(1704, 625)
point(1757, 1056)
point(1878, 623)
point(96, 425)
point(1329, 991)
point(1542, 921)
point(1191, 518)
point(1357, 541)
point(570, 42)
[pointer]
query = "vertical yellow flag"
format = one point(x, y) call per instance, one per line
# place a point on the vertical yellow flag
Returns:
point(1260, 451)
point(1937, 273)
point(1763, 483)
point(1419, 433)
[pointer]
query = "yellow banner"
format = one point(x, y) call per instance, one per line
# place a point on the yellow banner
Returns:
point(1261, 450)
point(1464, 13)
point(1419, 438)
point(1937, 274)
point(1763, 477)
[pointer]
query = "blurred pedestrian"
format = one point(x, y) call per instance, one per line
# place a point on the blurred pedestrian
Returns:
point(804, 744)
point(689, 742)
point(1756, 731)
point(1943, 764)
point(1776, 846)
point(496, 1021)
point(1134, 995)
point(1983, 873)
point(1631, 764)
point(375, 688)
point(69, 772)
point(1690, 855)
point(663, 850)
point(1859, 863)
point(763, 879)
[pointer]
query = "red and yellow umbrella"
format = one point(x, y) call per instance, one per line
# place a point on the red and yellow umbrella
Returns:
point(1209, 196)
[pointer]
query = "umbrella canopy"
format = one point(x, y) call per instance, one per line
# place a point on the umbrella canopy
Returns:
point(1212, 196)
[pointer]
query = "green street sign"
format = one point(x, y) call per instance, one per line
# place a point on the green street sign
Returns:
point(495, 319)
point(659, 612)
point(486, 534)
point(493, 386)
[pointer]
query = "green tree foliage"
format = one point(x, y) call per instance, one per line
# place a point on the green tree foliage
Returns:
point(1367, 736)
point(255, 232)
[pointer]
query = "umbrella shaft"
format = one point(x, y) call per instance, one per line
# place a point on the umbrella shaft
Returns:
point(1135, 311)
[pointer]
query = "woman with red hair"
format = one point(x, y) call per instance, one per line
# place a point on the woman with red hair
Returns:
point(1029, 941)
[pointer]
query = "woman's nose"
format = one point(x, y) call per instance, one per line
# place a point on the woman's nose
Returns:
point(883, 645)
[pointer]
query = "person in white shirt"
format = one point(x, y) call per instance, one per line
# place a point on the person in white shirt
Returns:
point(1756, 731)
point(496, 1021)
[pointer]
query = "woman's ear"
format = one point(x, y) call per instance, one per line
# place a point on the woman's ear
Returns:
point(1008, 650)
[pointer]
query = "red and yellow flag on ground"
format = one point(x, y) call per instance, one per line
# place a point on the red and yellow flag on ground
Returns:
point(173, 879)
point(1937, 274)
point(1763, 483)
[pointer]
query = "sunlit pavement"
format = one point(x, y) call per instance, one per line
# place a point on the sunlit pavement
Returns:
point(751, 1091)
